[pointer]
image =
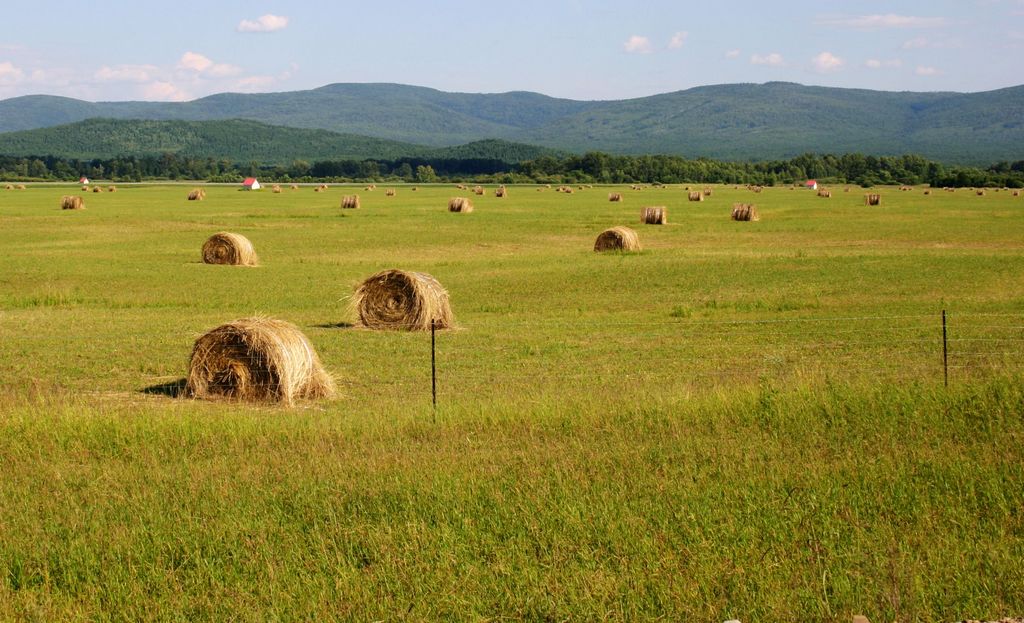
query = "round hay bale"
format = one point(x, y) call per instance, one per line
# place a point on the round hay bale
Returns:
point(19, 187)
point(112, 189)
point(744, 212)
point(399, 300)
point(197, 194)
point(72, 202)
point(617, 239)
point(230, 249)
point(257, 359)
point(350, 202)
point(97, 189)
point(276, 189)
point(654, 215)
point(460, 204)
point(614, 197)
point(8, 186)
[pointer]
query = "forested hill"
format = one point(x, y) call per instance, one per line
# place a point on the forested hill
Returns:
point(738, 121)
point(238, 141)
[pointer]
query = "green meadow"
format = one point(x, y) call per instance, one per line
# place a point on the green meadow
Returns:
point(742, 420)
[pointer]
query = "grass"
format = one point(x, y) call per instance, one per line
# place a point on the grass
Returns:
point(744, 420)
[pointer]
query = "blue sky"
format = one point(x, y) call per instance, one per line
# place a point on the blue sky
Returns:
point(581, 49)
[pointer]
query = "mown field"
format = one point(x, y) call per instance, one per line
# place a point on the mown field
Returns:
point(742, 420)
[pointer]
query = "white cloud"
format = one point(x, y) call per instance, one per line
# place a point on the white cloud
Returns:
point(888, 20)
point(874, 63)
point(9, 74)
point(774, 59)
point(191, 61)
point(678, 40)
point(638, 45)
point(732, 54)
point(266, 23)
point(915, 43)
point(126, 73)
point(164, 91)
point(922, 70)
point(826, 61)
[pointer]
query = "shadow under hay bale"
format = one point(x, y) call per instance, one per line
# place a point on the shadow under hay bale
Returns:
point(197, 194)
point(745, 212)
point(72, 202)
point(654, 215)
point(617, 239)
point(257, 359)
point(872, 199)
point(402, 301)
point(172, 389)
point(350, 202)
point(230, 249)
point(460, 204)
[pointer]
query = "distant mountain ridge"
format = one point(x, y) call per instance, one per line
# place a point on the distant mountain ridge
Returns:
point(731, 121)
point(238, 141)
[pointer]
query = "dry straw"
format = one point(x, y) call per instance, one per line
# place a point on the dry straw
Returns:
point(8, 187)
point(707, 192)
point(654, 215)
point(20, 187)
point(295, 186)
point(744, 212)
point(97, 189)
point(85, 189)
point(276, 188)
point(460, 204)
point(827, 194)
point(501, 192)
point(872, 199)
point(617, 239)
point(230, 249)
point(980, 193)
point(390, 192)
point(1016, 193)
point(257, 359)
point(614, 197)
point(112, 189)
point(72, 202)
point(399, 300)
point(479, 191)
point(350, 202)
point(197, 194)
point(695, 195)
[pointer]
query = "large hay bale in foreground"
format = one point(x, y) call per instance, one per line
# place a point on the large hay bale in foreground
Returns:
point(460, 204)
point(872, 199)
point(72, 202)
point(744, 212)
point(350, 202)
point(402, 301)
point(654, 215)
point(197, 194)
point(617, 239)
point(257, 359)
point(231, 249)
point(695, 195)
point(614, 197)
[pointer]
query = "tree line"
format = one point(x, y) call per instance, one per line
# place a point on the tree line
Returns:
point(593, 167)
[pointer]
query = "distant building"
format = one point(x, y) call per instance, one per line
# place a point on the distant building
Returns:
point(84, 180)
point(250, 183)
point(812, 184)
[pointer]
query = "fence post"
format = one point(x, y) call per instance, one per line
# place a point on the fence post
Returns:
point(433, 364)
point(945, 352)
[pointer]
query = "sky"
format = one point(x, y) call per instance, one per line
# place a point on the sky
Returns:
point(114, 50)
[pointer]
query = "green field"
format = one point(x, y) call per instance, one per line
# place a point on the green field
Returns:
point(742, 420)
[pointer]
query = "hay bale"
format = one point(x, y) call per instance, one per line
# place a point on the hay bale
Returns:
point(276, 189)
point(980, 192)
point(827, 194)
point(97, 189)
point(257, 359)
point(19, 187)
point(479, 191)
point(460, 204)
point(617, 239)
point(371, 187)
point(72, 202)
point(85, 189)
point(872, 199)
point(614, 197)
point(501, 192)
point(654, 215)
point(414, 189)
point(350, 202)
point(695, 195)
point(745, 212)
point(295, 186)
point(197, 194)
point(112, 189)
point(402, 301)
point(8, 187)
point(231, 249)
point(1016, 193)
point(927, 191)
point(389, 192)
point(707, 192)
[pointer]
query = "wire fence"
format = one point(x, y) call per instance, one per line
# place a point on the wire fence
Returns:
point(516, 356)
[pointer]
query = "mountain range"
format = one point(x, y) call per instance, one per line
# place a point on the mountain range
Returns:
point(733, 121)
